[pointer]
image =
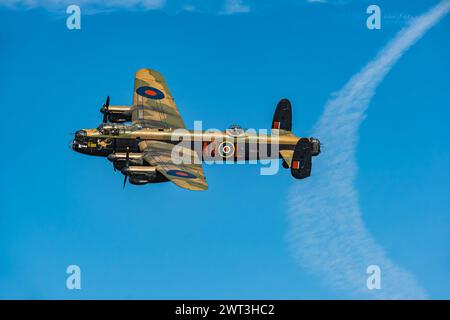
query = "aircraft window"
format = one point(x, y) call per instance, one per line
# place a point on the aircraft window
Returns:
point(116, 129)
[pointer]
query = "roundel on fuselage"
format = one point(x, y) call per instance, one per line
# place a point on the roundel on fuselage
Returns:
point(226, 149)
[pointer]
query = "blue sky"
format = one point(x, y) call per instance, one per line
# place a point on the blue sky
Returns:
point(159, 241)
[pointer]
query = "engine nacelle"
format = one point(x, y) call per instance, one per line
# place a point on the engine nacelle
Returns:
point(118, 114)
point(119, 118)
point(143, 174)
point(137, 181)
point(119, 159)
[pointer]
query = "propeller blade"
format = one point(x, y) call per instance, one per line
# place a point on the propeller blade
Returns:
point(127, 158)
point(127, 163)
point(106, 110)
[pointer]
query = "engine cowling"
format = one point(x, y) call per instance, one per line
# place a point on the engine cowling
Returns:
point(117, 114)
point(119, 159)
point(143, 174)
point(137, 181)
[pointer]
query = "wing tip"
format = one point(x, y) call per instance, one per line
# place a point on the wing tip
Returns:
point(202, 187)
point(145, 71)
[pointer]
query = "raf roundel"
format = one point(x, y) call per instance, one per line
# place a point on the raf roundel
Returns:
point(150, 92)
point(181, 174)
point(226, 149)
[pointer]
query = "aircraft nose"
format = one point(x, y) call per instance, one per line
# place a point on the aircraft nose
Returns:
point(80, 134)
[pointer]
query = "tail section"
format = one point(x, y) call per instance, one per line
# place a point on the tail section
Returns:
point(298, 157)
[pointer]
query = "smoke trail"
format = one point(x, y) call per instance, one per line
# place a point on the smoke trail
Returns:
point(327, 234)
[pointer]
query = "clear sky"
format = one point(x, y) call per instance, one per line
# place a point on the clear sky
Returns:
point(225, 63)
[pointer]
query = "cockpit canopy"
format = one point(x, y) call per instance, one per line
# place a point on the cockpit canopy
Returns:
point(117, 128)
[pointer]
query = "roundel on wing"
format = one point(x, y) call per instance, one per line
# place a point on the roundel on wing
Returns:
point(150, 92)
point(181, 174)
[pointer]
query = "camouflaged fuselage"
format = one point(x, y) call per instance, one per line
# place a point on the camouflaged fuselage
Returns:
point(208, 144)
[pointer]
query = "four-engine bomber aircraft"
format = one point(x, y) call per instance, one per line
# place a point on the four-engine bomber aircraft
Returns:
point(146, 151)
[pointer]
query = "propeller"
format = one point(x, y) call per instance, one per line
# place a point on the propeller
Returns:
point(124, 182)
point(105, 110)
point(114, 164)
point(127, 163)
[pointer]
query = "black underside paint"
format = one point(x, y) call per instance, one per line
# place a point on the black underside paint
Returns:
point(209, 151)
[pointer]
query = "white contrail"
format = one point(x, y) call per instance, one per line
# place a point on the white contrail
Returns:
point(327, 234)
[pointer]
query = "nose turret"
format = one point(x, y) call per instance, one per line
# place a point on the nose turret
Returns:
point(315, 144)
point(80, 134)
point(79, 142)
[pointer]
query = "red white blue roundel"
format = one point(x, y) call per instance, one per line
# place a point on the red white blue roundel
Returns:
point(181, 174)
point(226, 149)
point(150, 92)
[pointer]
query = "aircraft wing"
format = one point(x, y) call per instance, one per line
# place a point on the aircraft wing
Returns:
point(153, 104)
point(166, 156)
